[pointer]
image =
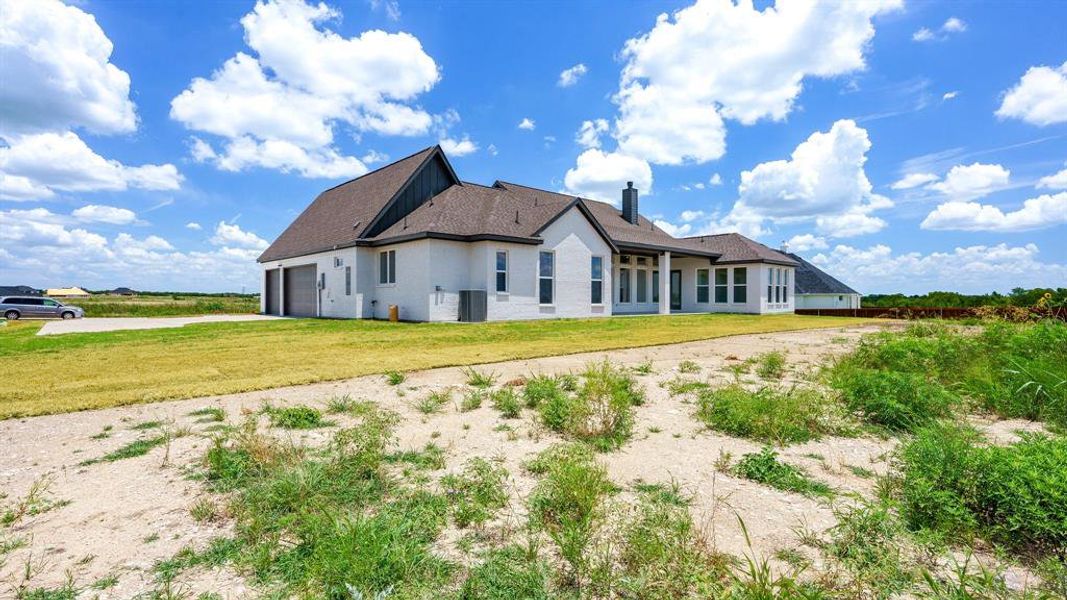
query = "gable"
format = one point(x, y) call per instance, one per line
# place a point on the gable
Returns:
point(430, 179)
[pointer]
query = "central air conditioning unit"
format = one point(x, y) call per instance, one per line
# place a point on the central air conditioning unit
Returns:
point(473, 306)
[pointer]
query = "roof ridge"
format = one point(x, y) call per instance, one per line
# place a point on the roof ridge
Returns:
point(530, 187)
point(381, 168)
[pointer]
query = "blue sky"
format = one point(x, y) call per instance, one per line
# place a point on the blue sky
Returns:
point(903, 146)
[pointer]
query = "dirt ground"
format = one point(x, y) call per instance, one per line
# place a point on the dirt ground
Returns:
point(119, 518)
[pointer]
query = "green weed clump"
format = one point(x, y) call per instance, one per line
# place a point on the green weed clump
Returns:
point(770, 365)
point(509, 573)
point(541, 389)
point(764, 467)
point(472, 400)
point(953, 483)
point(507, 402)
point(433, 402)
point(601, 412)
point(870, 542)
point(479, 379)
point(209, 414)
point(477, 493)
point(769, 415)
point(394, 377)
point(295, 417)
point(896, 401)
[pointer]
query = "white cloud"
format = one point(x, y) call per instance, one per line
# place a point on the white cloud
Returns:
point(461, 147)
point(491, 149)
point(373, 156)
point(805, 242)
point(571, 76)
point(954, 25)
point(62, 161)
point(719, 60)
point(914, 180)
point(967, 182)
point(688, 216)
point(58, 74)
point(973, 269)
point(823, 180)
point(193, 225)
point(527, 124)
point(1036, 213)
point(17, 188)
point(950, 26)
point(231, 234)
point(125, 242)
point(672, 229)
point(922, 35)
point(716, 179)
point(1056, 181)
point(950, 95)
point(1040, 97)
point(589, 133)
point(303, 80)
point(391, 8)
point(98, 213)
point(602, 175)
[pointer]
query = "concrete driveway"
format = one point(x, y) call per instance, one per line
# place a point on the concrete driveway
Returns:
point(119, 323)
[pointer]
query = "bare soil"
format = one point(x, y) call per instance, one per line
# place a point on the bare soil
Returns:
point(120, 518)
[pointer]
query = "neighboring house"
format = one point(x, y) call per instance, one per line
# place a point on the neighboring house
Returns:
point(816, 288)
point(413, 235)
point(18, 290)
point(69, 292)
point(122, 291)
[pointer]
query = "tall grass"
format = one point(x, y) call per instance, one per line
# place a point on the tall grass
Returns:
point(769, 414)
point(600, 412)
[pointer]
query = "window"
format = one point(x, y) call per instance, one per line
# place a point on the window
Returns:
point(546, 269)
point(597, 277)
point(655, 286)
point(778, 285)
point(642, 260)
point(770, 285)
point(624, 286)
point(52, 303)
point(720, 286)
point(624, 259)
point(740, 284)
point(642, 285)
point(702, 286)
point(348, 281)
point(322, 281)
point(502, 272)
point(785, 285)
point(338, 262)
point(387, 267)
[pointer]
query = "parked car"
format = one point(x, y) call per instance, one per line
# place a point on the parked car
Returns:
point(17, 307)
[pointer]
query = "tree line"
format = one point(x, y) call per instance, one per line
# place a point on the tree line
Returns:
point(1017, 297)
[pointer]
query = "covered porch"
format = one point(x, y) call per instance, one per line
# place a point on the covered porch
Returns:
point(653, 280)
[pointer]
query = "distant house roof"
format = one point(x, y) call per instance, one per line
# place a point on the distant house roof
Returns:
point(810, 279)
point(122, 291)
point(69, 291)
point(736, 248)
point(18, 290)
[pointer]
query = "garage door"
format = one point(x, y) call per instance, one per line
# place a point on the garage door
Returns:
point(300, 293)
point(274, 291)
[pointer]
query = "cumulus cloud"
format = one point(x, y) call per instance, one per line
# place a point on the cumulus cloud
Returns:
point(950, 26)
point(1035, 213)
point(571, 76)
point(949, 95)
point(1040, 97)
point(193, 225)
point(461, 147)
point(805, 242)
point(972, 269)
point(589, 133)
point(715, 179)
point(1056, 181)
point(98, 213)
point(719, 60)
point(967, 182)
point(914, 180)
point(230, 234)
point(602, 175)
point(303, 80)
point(527, 124)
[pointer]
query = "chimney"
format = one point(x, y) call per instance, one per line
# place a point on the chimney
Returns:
point(784, 247)
point(629, 203)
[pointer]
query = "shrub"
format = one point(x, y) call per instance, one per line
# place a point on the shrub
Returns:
point(542, 388)
point(896, 401)
point(1016, 495)
point(478, 379)
point(764, 467)
point(601, 412)
point(768, 415)
point(476, 493)
point(295, 417)
point(868, 541)
point(770, 365)
point(507, 402)
point(509, 573)
point(568, 504)
point(555, 411)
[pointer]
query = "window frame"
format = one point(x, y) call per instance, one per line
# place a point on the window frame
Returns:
point(551, 278)
point(348, 280)
point(725, 286)
point(596, 283)
point(655, 286)
point(705, 287)
point(624, 286)
point(506, 271)
point(386, 268)
point(641, 279)
point(742, 288)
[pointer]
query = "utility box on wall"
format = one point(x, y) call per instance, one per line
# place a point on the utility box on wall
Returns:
point(473, 306)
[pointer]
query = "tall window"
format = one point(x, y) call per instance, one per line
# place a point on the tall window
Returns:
point(596, 276)
point(502, 271)
point(721, 276)
point(655, 286)
point(642, 285)
point(348, 281)
point(785, 285)
point(387, 267)
point(624, 286)
point(778, 285)
point(740, 284)
point(703, 294)
point(546, 273)
point(770, 285)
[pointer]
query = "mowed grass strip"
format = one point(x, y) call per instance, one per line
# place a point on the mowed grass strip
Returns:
point(54, 374)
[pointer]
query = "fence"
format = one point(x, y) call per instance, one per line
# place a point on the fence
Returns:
point(923, 312)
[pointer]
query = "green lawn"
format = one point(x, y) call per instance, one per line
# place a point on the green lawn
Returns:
point(52, 374)
point(165, 305)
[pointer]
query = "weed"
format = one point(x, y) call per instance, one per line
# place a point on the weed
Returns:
point(601, 413)
point(507, 402)
point(867, 541)
point(644, 368)
point(104, 433)
point(204, 510)
point(209, 414)
point(106, 582)
point(476, 493)
point(541, 389)
point(479, 379)
point(897, 401)
point(394, 377)
point(768, 414)
point(688, 366)
point(146, 425)
point(664, 493)
point(433, 402)
point(35, 502)
point(508, 573)
point(138, 447)
point(431, 457)
point(346, 404)
point(770, 365)
point(296, 417)
point(764, 467)
point(680, 386)
point(860, 471)
point(472, 400)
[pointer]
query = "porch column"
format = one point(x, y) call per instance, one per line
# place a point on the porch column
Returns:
point(281, 291)
point(665, 283)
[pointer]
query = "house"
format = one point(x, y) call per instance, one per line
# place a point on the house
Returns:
point(415, 236)
point(816, 288)
point(122, 291)
point(68, 292)
point(18, 290)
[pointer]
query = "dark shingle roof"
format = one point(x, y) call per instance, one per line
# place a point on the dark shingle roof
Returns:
point(18, 290)
point(810, 279)
point(736, 248)
point(339, 215)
